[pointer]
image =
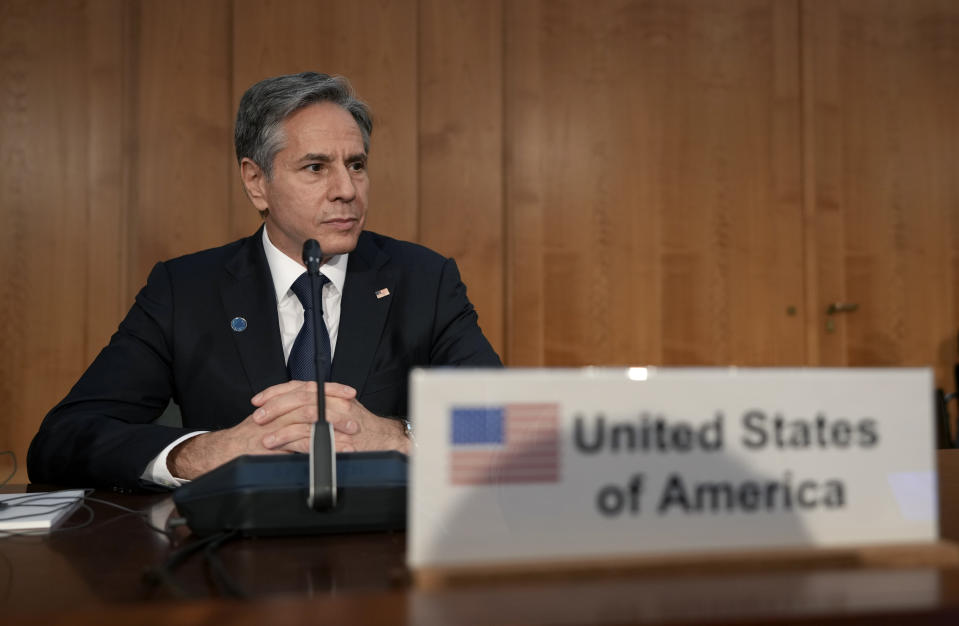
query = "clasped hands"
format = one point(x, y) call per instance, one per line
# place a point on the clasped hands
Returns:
point(281, 423)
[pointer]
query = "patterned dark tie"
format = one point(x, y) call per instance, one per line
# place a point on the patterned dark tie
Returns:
point(302, 365)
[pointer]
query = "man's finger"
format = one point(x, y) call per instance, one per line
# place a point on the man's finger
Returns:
point(343, 443)
point(287, 437)
point(344, 425)
point(300, 401)
point(339, 390)
point(276, 390)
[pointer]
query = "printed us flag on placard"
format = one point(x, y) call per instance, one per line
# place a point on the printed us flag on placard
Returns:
point(515, 443)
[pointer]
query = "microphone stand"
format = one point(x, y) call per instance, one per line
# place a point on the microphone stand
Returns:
point(322, 494)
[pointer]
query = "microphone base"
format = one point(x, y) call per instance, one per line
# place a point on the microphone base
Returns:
point(267, 495)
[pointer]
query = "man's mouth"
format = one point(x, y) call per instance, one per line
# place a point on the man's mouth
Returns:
point(340, 223)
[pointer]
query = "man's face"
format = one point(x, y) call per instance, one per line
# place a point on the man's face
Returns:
point(319, 185)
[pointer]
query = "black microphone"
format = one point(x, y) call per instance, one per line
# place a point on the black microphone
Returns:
point(312, 256)
point(322, 494)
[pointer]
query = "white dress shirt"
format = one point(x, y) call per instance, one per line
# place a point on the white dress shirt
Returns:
point(289, 312)
point(288, 308)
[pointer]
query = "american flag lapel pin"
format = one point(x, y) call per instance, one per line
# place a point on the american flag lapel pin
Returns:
point(382, 293)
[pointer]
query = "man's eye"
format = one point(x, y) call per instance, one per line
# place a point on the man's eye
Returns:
point(314, 167)
point(357, 166)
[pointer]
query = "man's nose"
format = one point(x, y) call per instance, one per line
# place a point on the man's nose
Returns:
point(342, 186)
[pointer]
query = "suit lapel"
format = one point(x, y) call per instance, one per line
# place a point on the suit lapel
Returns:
point(246, 288)
point(362, 313)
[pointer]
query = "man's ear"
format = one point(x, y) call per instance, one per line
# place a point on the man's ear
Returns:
point(254, 181)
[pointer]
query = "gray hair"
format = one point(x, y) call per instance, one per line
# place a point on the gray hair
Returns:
point(259, 120)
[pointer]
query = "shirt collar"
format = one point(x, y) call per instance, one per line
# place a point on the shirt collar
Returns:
point(285, 270)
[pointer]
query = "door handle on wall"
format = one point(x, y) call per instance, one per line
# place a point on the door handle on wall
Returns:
point(841, 307)
point(838, 307)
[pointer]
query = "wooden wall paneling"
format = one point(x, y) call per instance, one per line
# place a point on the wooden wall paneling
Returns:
point(731, 259)
point(374, 45)
point(180, 188)
point(782, 339)
point(461, 147)
point(822, 174)
point(579, 259)
point(654, 170)
point(525, 152)
point(110, 125)
point(48, 53)
point(16, 56)
point(886, 79)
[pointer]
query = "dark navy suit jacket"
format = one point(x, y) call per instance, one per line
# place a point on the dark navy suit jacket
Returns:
point(177, 342)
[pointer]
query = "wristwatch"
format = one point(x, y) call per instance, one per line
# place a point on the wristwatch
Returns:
point(408, 429)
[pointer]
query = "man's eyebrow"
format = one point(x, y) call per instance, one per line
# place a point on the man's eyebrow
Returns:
point(312, 156)
point(325, 158)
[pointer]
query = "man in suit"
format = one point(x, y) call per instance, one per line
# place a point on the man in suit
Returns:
point(213, 330)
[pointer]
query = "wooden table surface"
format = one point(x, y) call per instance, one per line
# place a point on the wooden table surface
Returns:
point(96, 575)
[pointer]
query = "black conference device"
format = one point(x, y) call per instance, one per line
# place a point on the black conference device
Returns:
point(286, 494)
point(267, 495)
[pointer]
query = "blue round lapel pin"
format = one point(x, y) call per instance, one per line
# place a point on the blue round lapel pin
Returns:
point(238, 324)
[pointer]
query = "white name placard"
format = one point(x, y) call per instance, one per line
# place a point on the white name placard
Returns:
point(529, 466)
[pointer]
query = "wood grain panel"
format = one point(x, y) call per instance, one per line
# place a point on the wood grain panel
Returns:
point(374, 45)
point(59, 64)
point(883, 137)
point(653, 183)
point(180, 191)
point(108, 73)
point(461, 147)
